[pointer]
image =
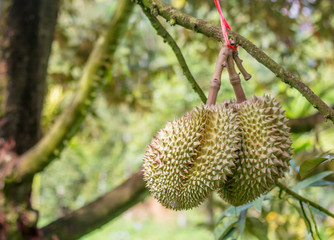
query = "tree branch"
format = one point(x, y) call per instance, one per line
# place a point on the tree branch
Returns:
point(101, 211)
point(176, 17)
point(67, 125)
point(300, 198)
point(161, 31)
point(304, 124)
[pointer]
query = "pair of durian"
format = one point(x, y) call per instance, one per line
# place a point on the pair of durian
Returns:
point(238, 150)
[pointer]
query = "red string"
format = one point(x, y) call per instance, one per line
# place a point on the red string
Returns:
point(224, 25)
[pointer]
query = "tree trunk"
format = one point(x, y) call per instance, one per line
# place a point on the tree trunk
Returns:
point(27, 30)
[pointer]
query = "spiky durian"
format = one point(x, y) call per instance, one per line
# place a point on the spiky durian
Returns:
point(192, 156)
point(238, 149)
point(265, 150)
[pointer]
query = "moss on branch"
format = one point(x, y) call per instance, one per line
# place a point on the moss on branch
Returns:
point(212, 30)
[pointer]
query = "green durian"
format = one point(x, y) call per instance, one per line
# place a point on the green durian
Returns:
point(239, 150)
point(192, 156)
point(265, 150)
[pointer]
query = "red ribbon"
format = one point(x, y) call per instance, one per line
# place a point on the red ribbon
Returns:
point(224, 25)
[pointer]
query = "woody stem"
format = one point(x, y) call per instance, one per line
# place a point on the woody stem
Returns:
point(235, 79)
point(216, 78)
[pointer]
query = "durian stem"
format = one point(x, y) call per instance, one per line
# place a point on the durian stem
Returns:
point(300, 198)
point(238, 61)
point(216, 78)
point(235, 79)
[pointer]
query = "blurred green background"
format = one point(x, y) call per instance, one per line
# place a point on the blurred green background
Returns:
point(146, 88)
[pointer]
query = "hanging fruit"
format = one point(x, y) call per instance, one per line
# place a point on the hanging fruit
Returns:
point(239, 148)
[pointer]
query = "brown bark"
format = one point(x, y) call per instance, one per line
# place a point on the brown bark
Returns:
point(305, 124)
point(94, 215)
point(215, 81)
point(235, 79)
point(26, 35)
point(68, 123)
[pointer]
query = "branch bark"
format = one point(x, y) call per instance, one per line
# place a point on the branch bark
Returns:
point(304, 124)
point(49, 147)
point(26, 35)
point(177, 17)
point(215, 81)
point(101, 211)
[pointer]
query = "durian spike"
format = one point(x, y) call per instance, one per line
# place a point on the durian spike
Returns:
point(234, 78)
point(238, 61)
point(216, 78)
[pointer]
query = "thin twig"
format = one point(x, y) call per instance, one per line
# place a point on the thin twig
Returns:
point(212, 30)
point(171, 42)
point(307, 221)
point(297, 196)
point(313, 219)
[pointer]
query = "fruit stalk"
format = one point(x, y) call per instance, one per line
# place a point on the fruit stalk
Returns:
point(238, 61)
point(216, 78)
point(234, 78)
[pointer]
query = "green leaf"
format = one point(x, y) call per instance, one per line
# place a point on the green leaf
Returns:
point(229, 232)
point(239, 209)
point(318, 212)
point(258, 204)
point(233, 211)
point(257, 228)
point(308, 165)
point(308, 181)
point(242, 221)
point(226, 228)
point(321, 183)
point(292, 163)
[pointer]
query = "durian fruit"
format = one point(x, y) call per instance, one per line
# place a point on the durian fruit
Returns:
point(192, 156)
point(240, 150)
point(265, 150)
